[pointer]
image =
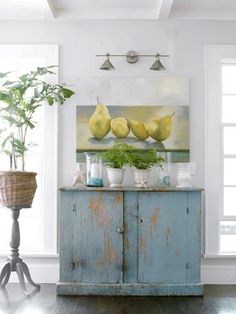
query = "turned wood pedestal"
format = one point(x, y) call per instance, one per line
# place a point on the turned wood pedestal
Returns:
point(14, 261)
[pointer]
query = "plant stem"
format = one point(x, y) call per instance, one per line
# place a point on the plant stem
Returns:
point(11, 161)
point(23, 162)
point(22, 137)
point(14, 158)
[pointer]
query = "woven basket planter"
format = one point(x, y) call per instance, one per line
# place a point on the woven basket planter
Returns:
point(17, 188)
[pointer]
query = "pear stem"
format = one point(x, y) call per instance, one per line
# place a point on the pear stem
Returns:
point(98, 100)
point(173, 114)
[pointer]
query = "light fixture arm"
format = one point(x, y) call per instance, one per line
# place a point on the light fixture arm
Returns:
point(132, 56)
point(139, 55)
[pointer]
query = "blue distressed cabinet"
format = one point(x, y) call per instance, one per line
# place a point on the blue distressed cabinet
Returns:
point(130, 242)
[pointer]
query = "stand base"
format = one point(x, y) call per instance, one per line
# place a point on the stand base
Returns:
point(21, 269)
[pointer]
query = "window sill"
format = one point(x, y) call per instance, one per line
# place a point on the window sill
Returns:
point(214, 256)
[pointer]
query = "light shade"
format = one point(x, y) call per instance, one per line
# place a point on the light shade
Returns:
point(107, 65)
point(157, 65)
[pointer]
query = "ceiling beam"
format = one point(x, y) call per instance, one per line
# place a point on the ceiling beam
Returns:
point(47, 8)
point(164, 9)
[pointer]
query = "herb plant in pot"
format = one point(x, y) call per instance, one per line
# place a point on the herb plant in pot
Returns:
point(19, 100)
point(142, 161)
point(116, 158)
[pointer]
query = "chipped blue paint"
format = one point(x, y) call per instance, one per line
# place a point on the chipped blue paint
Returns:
point(66, 236)
point(162, 237)
point(130, 237)
point(124, 242)
point(129, 289)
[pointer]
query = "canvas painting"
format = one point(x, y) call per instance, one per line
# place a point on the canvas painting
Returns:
point(164, 126)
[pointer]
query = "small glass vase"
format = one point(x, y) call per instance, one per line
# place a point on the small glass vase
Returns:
point(184, 175)
point(94, 167)
point(164, 171)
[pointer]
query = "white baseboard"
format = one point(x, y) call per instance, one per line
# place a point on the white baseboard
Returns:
point(218, 271)
point(218, 275)
point(42, 269)
point(213, 270)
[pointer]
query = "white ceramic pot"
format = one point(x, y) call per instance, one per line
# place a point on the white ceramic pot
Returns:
point(141, 177)
point(115, 176)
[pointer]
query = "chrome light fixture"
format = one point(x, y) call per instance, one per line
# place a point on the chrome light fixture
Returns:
point(132, 57)
point(157, 65)
point(107, 65)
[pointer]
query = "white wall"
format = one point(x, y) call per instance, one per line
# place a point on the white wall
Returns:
point(79, 42)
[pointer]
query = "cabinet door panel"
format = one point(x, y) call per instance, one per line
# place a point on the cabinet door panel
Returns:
point(162, 240)
point(130, 236)
point(98, 247)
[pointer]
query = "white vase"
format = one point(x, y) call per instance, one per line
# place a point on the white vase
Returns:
point(115, 176)
point(141, 177)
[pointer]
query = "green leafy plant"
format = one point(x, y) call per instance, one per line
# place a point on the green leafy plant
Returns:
point(116, 156)
point(19, 99)
point(144, 159)
point(124, 154)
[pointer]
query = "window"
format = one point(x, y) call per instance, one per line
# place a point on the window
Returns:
point(221, 151)
point(228, 143)
point(37, 224)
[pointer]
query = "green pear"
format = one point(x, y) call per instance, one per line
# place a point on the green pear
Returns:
point(160, 129)
point(100, 121)
point(120, 127)
point(139, 129)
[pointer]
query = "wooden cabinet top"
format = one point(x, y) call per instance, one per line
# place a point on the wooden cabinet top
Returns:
point(127, 188)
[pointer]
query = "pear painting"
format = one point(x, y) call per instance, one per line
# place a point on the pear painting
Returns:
point(100, 121)
point(120, 127)
point(139, 129)
point(160, 129)
point(165, 128)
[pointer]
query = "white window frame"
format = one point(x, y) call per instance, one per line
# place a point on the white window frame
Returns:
point(214, 56)
point(50, 155)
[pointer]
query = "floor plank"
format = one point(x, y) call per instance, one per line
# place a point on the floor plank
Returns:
point(220, 299)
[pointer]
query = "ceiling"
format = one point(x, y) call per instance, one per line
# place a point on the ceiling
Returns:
point(119, 9)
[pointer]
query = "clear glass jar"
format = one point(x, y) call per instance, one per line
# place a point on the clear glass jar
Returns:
point(184, 178)
point(94, 167)
point(164, 171)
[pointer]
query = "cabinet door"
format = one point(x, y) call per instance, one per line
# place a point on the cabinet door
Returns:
point(163, 238)
point(97, 245)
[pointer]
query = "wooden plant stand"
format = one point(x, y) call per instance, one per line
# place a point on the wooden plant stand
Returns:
point(14, 261)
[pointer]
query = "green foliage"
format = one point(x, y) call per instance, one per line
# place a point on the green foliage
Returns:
point(116, 156)
point(123, 154)
point(144, 159)
point(18, 102)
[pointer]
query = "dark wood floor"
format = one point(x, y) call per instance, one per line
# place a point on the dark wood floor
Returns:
point(217, 299)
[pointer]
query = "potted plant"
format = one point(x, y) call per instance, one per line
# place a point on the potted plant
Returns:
point(116, 158)
point(19, 100)
point(142, 161)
